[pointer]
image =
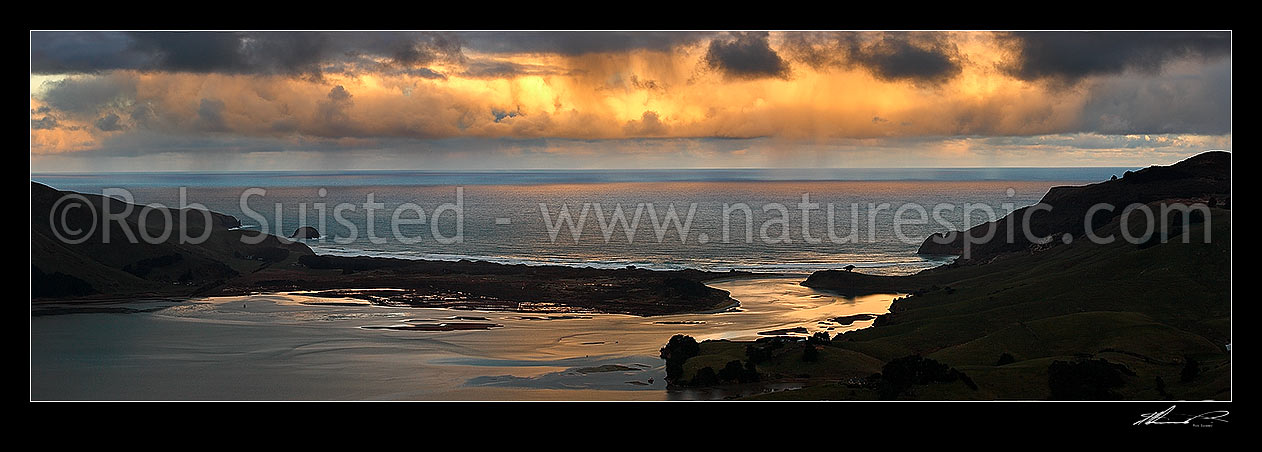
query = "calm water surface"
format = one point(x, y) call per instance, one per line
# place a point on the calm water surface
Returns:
point(291, 346)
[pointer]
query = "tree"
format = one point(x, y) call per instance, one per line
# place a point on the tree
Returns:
point(750, 374)
point(900, 374)
point(705, 377)
point(731, 372)
point(1006, 358)
point(755, 354)
point(676, 351)
point(849, 267)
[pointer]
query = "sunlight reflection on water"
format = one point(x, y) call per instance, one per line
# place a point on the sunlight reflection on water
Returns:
point(294, 346)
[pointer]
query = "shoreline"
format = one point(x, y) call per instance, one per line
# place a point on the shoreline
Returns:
point(461, 285)
point(127, 304)
point(787, 269)
point(355, 290)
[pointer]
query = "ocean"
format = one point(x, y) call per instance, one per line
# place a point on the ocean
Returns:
point(773, 220)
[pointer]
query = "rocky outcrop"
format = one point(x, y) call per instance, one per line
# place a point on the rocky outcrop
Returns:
point(305, 232)
point(941, 244)
point(854, 283)
point(225, 221)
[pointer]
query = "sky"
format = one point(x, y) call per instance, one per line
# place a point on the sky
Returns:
point(287, 100)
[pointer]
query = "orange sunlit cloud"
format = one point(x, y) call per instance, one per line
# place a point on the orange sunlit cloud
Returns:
point(848, 89)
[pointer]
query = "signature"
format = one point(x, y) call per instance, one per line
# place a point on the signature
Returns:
point(1167, 417)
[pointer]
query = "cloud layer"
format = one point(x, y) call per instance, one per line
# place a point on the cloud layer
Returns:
point(1071, 56)
point(115, 93)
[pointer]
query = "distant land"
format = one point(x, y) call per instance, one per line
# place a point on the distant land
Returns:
point(79, 275)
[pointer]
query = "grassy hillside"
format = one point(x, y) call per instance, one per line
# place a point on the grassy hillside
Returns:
point(1204, 177)
point(122, 266)
point(1082, 320)
point(1150, 309)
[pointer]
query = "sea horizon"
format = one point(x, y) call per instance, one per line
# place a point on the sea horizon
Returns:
point(572, 176)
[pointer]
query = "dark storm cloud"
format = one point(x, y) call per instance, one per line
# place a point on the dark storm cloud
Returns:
point(1159, 105)
point(899, 59)
point(746, 56)
point(339, 94)
point(282, 53)
point(87, 95)
point(1069, 56)
point(500, 69)
point(424, 72)
point(921, 57)
point(285, 53)
point(312, 53)
point(142, 113)
point(84, 52)
point(108, 123)
point(417, 49)
point(48, 122)
point(577, 42)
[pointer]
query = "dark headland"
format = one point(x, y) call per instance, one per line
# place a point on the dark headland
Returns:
point(98, 272)
point(1023, 320)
